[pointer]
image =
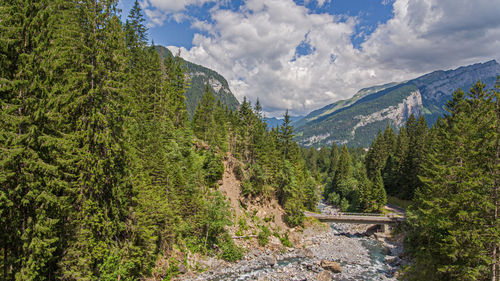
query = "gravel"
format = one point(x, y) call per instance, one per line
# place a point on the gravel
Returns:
point(361, 256)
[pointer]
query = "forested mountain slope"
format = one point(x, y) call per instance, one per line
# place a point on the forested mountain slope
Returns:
point(102, 174)
point(356, 121)
point(199, 76)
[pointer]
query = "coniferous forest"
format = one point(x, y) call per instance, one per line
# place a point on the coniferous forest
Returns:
point(102, 172)
point(450, 173)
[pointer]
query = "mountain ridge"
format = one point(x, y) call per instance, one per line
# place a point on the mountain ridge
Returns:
point(356, 121)
point(199, 76)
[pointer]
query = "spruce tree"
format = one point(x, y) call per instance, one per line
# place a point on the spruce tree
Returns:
point(286, 135)
point(103, 194)
point(203, 119)
point(34, 204)
point(453, 225)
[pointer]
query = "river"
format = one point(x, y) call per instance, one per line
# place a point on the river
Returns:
point(361, 257)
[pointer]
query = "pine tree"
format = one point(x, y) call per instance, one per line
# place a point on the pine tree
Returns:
point(390, 140)
point(203, 119)
point(417, 131)
point(376, 156)
point(176, 84)
point(394, 172)
point(286, 135)
point(378, 193)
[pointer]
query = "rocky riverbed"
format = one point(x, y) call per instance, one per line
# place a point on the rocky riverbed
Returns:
point(338, 252)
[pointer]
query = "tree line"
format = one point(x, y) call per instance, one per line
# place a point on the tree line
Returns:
point(101, 171)
point(450, 173)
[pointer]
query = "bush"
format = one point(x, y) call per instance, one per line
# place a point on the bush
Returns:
point(285, 241)
point(229, 251)
point(334, 198)
point(246, 188)
point(214, 168)
point(344, 205)
point(294, 215)
point(263, 236)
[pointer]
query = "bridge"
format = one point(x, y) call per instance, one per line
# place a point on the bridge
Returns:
point(358, 218)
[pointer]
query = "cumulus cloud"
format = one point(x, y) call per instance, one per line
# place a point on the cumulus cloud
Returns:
point(431, 34)
point(158, 11)
point(254, 47)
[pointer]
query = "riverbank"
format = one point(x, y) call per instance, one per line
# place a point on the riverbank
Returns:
point(361, 253)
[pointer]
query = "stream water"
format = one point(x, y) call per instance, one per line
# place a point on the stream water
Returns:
point(361, 258)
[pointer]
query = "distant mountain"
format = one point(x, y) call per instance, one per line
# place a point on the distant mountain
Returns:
point(199, 76)
point(273, 122)
point(356, 121)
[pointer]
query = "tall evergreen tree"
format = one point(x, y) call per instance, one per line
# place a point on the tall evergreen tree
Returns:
point(286, 135)
point(417, 131)
point(203, 119)
point(453, 225)
point(102, 193)
point(34, 205)
point(376, 156)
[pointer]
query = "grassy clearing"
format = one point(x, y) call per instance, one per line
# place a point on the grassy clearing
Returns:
point(398, 202)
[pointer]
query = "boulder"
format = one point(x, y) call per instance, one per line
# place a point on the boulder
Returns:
point(182, 269)
point(308, 253)
point(331, 265)
point(324, 276)
point(270, 260)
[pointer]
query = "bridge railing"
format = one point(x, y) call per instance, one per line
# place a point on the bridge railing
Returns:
point(361, 214)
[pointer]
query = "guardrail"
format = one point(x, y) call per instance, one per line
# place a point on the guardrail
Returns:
point(361, 214)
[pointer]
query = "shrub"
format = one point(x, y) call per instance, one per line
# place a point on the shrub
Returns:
point(263, 236)
point(229, 251)
point(285, 241)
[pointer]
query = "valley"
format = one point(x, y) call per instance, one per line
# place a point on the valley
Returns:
point(122, 161)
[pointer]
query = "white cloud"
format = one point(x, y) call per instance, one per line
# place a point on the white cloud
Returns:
point(431, 34)
point(160, 10)
point(254, 48)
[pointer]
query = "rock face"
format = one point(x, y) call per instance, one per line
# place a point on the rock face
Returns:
point(199, 76)
point(356, 121)
point(332, 266)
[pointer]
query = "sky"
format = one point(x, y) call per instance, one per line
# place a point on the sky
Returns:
point(301, 55)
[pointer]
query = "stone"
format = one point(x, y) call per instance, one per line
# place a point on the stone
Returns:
point(331, 265)
point(308, 253)
point(270, 260)
point(182, 268)
point(324, 275)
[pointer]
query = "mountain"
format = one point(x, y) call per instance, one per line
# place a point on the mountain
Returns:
point(199, 76)
point(356, 121)
point(273, 122)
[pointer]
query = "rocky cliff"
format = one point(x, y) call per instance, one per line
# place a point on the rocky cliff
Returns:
point(356, 121)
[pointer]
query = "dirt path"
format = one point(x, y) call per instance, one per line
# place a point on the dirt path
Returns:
point(395, 209)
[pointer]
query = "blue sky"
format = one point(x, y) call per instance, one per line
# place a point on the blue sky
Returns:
point(172, 33)
point(303, 54)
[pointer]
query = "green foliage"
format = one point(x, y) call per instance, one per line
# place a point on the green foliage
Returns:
point(229, 251)
point(199, 76)
point(213, 167)
point(453, 225)
point(285, 241)
point(263, 236)
point(344, 204)
point(334, 198)
point(101, 172)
